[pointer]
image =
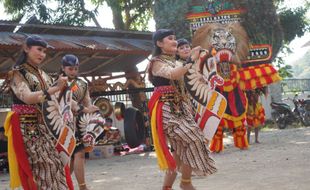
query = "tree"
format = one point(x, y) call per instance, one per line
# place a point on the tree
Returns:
point(265, 21)
point(67, 12)
point(127, 14)
point(285, 71)
point(171, 14)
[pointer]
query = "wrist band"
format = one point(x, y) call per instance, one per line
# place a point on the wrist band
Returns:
point(45, 95)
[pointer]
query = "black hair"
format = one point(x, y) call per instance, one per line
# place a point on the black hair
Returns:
point(182, 42)
point(70, 60)
point(30, 41)
point(156, 51)
point(159, 35)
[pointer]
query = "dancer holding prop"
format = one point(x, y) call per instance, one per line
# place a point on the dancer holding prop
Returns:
point(171, 117)
point(88, 125)
point(34, 161)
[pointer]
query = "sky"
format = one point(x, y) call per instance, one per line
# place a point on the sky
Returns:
point(105, 19)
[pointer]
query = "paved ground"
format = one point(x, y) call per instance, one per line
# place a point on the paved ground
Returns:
point(281, 161)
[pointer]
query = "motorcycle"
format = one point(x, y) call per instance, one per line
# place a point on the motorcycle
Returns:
point(283, 114)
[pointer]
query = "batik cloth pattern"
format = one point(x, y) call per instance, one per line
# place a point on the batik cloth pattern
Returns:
point(32, 136)
point(172, 119)
point(81, 96)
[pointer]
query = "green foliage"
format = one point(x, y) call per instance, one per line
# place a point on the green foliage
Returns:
point(293, 23)
point(72, 13)
point(67, 12)
point(264, 21)
point(19, 7)
point(285, 71)
point(129, 14)
point(172, 14)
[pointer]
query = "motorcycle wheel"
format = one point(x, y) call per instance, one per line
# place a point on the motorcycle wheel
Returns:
point(305, 119)
point(280, 120)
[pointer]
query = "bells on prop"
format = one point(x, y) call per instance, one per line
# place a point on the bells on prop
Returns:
point(104, 105)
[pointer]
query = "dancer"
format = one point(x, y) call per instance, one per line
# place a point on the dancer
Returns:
point(255, 114)
point(34, 161)
point(70, 68)
point(171, 117)
point(183, 50)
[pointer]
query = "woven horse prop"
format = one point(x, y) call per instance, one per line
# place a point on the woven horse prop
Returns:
point(58, 116)
point(90, 125)
point(200, 81)
point(231, 49)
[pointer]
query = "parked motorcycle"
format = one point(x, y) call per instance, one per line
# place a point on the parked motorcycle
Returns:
point(283, 114)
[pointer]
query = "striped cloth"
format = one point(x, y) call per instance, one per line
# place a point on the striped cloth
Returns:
point(183, 134)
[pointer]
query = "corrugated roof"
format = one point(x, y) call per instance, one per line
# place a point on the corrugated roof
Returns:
point(107, 51)
point(96, 43)
point(9, 26)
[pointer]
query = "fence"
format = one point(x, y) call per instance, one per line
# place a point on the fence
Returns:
point(295, 85)
point(5, 100)
point(288, 86)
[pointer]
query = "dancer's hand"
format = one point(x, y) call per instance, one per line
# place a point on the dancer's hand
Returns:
point(61, 82)
point(188, 65)
point(195, 52)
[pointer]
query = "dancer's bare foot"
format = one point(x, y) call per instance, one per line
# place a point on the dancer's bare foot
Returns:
point(244, 148)
point(83, 186)
point(167, 188)
point(257, 142)
point(186, 184)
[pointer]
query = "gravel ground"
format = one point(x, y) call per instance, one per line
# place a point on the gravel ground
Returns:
point(280, 161)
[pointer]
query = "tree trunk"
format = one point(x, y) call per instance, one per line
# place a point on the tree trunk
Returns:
point(117, 14)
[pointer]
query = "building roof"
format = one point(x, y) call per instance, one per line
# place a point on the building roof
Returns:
point(100, 51)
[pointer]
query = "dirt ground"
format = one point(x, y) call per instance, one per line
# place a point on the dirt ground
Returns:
point(281, 161)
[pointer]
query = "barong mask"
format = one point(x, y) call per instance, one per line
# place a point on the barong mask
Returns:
point(228, 42)
point(222, 40)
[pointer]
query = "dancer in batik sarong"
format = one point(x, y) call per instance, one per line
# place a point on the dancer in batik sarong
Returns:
point(70, 68)
point(171, 117)
point(34, 161)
